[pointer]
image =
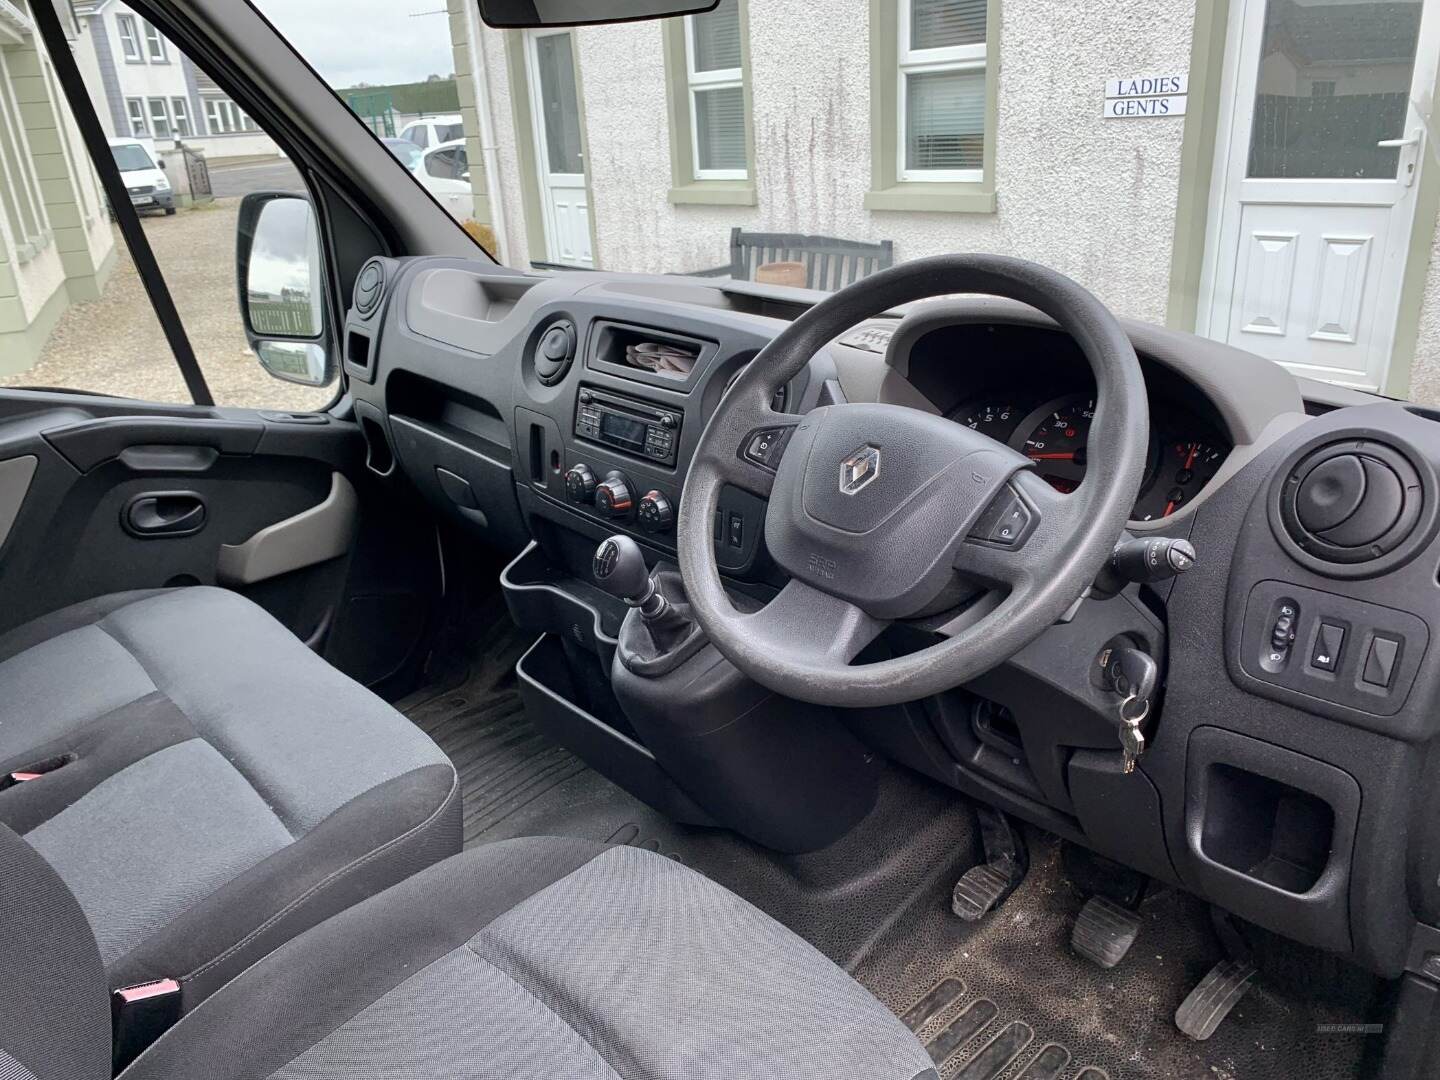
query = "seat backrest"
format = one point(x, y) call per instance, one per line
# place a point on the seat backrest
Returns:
point(830, 263)
point(54, 1002)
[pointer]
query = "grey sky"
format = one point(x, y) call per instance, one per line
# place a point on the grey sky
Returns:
point(373, 41)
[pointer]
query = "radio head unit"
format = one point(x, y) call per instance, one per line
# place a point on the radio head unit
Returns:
point(628, 424)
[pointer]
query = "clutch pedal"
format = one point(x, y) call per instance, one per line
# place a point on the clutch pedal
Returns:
point(984, 887)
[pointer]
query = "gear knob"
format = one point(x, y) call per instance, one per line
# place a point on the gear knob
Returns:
point(619, 568)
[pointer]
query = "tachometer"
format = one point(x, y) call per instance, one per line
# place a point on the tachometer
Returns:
point(1186, 466)
point(1055, 437)
point(997, 418)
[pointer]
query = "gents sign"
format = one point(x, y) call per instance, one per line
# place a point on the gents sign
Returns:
point(1146, 95)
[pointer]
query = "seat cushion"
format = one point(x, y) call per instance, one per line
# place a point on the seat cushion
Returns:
point(223, 787)
point(540, 958)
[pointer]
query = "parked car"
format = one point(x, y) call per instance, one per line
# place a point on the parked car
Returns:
point(445, 173)
point(405, 150)
point(430, 131)
point(144, 174)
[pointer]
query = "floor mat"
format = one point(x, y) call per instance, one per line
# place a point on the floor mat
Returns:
point(1007, 998)
point(473, 712)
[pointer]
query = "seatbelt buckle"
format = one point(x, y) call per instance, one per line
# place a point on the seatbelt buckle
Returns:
point(35, 771)
point(139, 1015)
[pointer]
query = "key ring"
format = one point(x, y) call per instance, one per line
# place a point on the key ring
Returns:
point(1134, 721)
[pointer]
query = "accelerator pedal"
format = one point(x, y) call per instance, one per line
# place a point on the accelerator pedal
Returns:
point(1104, 931)
point(983, 888)
point(1210, 1002)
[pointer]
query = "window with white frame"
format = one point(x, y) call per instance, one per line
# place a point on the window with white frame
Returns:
point(181, 113)
point(129, 38)
point(225, 117)
point(942, 90)
point(136, 109)
point(716, 89)
point(155, 46)
point(160, 117)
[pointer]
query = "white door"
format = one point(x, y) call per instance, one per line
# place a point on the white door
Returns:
point(559, 160)
point(1316, 170)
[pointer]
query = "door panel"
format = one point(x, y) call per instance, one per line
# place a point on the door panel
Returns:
point(1314, 190)
point(565, 206)
point(96, 460)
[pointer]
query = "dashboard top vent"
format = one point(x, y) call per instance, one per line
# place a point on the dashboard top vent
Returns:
point(555, 352)
point(1351, 503)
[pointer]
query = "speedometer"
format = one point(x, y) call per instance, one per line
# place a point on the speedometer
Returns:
point(1055, 440)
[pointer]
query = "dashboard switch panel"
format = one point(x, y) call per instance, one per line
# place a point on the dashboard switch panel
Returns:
point(1352, 653)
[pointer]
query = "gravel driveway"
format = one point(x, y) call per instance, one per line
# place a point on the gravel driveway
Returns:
point(114, 345)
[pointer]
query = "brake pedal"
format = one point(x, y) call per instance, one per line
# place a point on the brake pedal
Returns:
point(1211, 1001)
point(1104, 931)
point(984, 887)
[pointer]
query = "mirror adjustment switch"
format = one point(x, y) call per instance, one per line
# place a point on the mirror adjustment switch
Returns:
point(1329, 640)
point(1380, 662)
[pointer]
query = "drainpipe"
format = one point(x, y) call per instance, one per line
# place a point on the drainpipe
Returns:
point(481, 84)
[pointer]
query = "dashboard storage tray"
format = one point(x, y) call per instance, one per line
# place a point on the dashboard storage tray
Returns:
point(549, 599)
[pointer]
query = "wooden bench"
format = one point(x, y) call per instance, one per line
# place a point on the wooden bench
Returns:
point(830, 263)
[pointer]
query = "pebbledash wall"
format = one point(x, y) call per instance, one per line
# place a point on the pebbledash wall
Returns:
point(1102, 200)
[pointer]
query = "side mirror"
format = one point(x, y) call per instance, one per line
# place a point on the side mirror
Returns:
point(281, 281)
point(161, 163)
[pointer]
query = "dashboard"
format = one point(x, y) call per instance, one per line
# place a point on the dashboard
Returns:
point(541, 413)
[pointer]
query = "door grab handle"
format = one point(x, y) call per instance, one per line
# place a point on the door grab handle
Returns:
point(1410, 140)
point(164, 513)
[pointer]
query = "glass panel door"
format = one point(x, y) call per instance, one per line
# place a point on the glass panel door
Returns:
point(1334, 80)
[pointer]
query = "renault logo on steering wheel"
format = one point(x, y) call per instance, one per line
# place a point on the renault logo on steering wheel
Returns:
point(859, 469)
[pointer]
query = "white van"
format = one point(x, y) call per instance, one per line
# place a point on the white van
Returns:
point(144, 174)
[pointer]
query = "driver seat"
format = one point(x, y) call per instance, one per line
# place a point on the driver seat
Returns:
point(539, 957)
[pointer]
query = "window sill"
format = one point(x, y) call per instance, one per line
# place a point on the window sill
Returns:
point(921, 197)
point(715, 193)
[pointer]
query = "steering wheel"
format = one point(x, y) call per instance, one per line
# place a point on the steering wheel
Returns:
point(878, 512)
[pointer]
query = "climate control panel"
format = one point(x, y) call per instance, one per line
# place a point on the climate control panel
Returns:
point(613, 497)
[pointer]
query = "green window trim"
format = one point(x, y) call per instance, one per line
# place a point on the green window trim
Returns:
point(887, 191)
point(685, 188)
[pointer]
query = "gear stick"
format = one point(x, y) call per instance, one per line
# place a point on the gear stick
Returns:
point(619, 568)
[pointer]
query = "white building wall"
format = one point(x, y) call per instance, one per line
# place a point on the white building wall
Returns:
point(1094, 198)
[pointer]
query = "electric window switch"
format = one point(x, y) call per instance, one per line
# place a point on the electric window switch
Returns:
point(1380, 663)
point(1329, 640)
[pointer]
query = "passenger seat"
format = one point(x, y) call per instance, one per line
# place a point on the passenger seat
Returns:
point(204, 784)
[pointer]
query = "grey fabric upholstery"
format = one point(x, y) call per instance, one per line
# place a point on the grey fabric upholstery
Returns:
point(54, 1019)
point(224, 788)
point(542, 958)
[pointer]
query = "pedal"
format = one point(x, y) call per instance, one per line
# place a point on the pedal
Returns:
point(1211, 1001)
point(1104, 931)
point(983, 888)
point(979, 889)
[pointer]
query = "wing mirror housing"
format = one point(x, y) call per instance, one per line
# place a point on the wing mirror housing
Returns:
point(528, 14)
point(280, 273)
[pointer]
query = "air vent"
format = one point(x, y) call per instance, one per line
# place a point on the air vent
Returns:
point(369, 288)
point(555, 352)
point(1351, 503)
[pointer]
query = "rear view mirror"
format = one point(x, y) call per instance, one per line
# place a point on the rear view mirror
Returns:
point(523, 14)
point(282, 287)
